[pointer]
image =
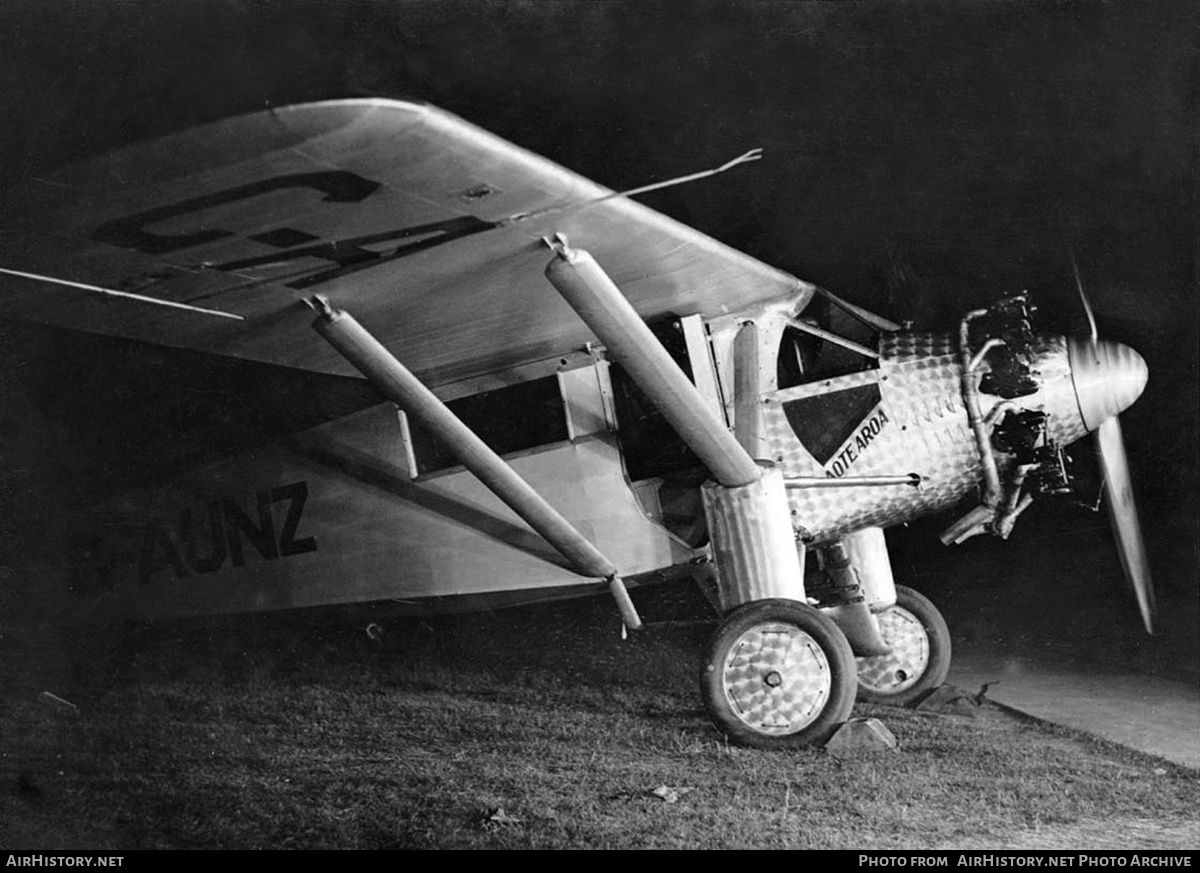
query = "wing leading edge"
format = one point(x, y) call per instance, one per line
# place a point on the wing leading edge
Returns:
point(428, 228)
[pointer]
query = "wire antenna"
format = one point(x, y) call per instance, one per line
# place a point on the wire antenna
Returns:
point(752, 155)
point(158, 301)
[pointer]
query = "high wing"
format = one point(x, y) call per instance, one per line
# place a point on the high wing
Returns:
point(427, 228)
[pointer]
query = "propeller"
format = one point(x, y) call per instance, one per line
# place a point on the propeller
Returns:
point(1109, 377)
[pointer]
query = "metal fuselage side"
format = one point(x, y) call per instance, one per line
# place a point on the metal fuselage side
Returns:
point(342, 513)
point(901, 414)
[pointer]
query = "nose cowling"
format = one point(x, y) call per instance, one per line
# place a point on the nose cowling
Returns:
point(1108, 378)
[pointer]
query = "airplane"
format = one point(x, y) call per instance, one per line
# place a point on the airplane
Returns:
point(466, 377)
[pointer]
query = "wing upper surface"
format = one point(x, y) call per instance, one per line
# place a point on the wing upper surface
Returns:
point(426, 227)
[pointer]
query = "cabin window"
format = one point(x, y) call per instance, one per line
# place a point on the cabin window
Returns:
point(649, 444)
point(509, 419)
point(825, 418)
point(805, 358)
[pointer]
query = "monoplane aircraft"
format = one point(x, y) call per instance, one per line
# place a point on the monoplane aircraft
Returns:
point(463, 376)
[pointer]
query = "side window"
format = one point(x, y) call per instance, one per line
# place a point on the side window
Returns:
point(508, 419)
point(649, 445)
point(827, 417)
point(805, 358)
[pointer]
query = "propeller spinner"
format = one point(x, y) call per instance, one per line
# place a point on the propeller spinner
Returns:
point(1108, 378)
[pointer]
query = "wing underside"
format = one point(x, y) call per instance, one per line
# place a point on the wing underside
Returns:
point(427, 228)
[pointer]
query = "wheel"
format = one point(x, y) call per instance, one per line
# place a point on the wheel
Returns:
point(920, 655)
point(778, 675)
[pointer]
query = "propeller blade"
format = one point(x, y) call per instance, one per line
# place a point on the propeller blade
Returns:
point(1087, 306)
point(1123, 515)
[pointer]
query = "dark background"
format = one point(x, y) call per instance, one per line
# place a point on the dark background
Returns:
point(920, 158)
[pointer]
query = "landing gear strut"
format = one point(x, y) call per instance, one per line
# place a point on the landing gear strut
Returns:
point(778, 675)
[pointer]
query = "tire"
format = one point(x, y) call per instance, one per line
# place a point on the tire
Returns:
point(778, 675)
point(920, 657)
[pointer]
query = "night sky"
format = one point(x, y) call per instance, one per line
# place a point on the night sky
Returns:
point(921, 158)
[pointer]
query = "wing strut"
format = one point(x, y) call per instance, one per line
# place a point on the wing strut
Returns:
point(400, 386)
point(604, 309)
point(754, 545)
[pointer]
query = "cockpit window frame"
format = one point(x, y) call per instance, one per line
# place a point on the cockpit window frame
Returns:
point(794, 372)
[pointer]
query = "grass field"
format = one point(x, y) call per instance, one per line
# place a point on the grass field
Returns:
point(538, 727)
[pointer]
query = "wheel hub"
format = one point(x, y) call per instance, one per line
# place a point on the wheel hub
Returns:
point(776, 678)
point(903, 668)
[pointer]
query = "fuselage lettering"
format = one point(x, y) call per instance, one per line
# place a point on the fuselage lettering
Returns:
point(857, 444)
point(204, 541)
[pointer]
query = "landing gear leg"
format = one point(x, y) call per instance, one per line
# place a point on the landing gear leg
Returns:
point(778, 675)
point(920, 657)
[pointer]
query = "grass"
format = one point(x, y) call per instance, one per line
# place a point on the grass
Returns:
point(533, 728)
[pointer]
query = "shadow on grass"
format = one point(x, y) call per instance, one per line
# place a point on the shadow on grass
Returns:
point(535, 727)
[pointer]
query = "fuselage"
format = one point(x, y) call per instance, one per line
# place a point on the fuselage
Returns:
point(900, 406)
point(907, 415)
point(360, 509)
